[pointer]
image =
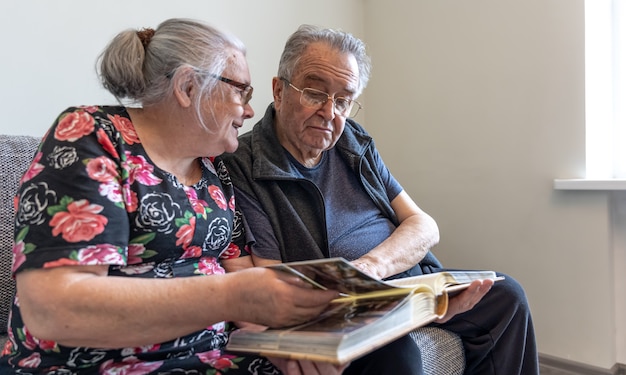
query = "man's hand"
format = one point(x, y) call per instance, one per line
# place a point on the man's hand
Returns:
point(467, 299)
point(368, 268)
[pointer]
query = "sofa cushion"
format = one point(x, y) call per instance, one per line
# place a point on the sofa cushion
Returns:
point(16, 153)
point(442, 351)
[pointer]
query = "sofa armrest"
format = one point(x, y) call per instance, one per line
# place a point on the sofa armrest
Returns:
point(442, 351)
point(16, 154)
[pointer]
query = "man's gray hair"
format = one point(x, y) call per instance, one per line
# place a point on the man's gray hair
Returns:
point(341, 41)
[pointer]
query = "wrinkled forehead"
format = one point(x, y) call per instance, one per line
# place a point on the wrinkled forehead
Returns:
point(320, 61)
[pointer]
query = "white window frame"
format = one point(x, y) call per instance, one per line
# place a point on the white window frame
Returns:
point(605, 129)
point(605, 98)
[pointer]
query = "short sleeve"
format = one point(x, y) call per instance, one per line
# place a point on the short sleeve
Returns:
point(259, 238)
point(392, 186)
point(70, 204)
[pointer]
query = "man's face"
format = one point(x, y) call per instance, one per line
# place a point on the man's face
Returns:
point(304, 131)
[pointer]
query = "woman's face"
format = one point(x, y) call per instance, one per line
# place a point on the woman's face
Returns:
point(226, 108)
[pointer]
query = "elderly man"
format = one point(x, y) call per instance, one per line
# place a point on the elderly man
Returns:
point(311, 184)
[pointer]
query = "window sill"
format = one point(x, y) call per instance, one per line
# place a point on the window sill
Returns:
point(589, 184)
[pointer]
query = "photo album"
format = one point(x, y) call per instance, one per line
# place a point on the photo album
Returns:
point(369, 313)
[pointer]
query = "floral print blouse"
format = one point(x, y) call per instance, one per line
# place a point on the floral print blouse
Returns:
point(92, 196)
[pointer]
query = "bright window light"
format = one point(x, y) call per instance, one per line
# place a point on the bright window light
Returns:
point(605, 88)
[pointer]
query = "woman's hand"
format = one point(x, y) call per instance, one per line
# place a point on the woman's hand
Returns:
point(274, 298)
point(292, 367)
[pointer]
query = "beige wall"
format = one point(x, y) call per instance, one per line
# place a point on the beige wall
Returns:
point(475, 105)
point(49, 47)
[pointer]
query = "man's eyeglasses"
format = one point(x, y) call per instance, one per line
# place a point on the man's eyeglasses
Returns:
point(313, 98)
point(244, 89)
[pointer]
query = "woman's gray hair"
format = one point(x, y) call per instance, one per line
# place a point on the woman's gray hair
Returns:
point(138, 65)
point(337, 39)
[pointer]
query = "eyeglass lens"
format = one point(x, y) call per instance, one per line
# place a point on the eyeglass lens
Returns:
point(245, 90)
point(316, 99)
point(313, 98)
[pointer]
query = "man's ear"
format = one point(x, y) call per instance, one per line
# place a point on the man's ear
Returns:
point(277, 91)
point(185, 86)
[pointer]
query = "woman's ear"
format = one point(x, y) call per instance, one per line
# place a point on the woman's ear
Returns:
point(277, 91)
point(185, 86)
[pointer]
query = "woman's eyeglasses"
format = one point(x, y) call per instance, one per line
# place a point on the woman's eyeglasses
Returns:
point(244, 89)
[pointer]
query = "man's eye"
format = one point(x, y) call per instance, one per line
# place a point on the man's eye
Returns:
point(317, 97)
point(342, 103)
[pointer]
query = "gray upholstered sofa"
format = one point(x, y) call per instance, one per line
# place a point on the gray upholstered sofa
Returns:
point(442, 352)
point(16, 152)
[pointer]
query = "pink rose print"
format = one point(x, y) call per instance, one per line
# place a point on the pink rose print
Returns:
point(19, 256)
point(126, 128)
point(90, 108)
point(192, 252)
point(8, 348)
point(209, 266)
point(100, 254)
point(218, 360)
point(74, 126)
point(231, 252)
point(135, 250)
point(34, 169)
point(28, 341)
point(47, 345)
point(112, 190)
point(102, 169)
point(137, 269)
point(80, 222)
point(141, 349)
point(60, 262)
point(231, 203)
point(208, 164)
point(106, 144)
point(129, 366)
point(140, 170)
point(185, 233)
point(32, 361)
point(199, 206)
point(130, 198)
point(218, 196)
point(32, 342)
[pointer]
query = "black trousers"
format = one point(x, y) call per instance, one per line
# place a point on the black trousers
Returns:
point(400, 357)
point(498, 334)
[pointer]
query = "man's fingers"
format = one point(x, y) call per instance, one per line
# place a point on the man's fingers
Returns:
point(467, 299)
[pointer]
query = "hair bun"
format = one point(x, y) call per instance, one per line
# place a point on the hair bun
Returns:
point(145, 35)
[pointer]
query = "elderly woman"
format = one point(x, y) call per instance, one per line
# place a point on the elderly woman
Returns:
point(124, 224)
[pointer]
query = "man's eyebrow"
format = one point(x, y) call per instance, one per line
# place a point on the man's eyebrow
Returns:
point(317, 79)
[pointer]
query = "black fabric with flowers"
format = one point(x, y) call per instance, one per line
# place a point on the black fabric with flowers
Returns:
point(92, 196)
